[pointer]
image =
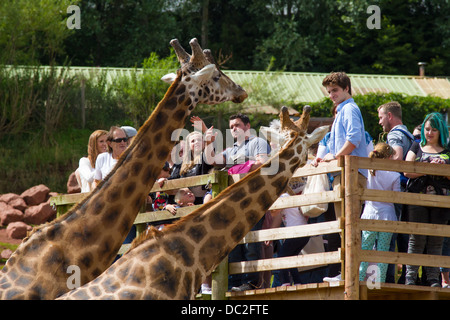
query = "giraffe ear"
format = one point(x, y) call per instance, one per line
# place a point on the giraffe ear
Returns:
point(169, 78)
point(204, 74)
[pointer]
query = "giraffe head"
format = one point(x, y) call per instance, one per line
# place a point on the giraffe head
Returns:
point(203, 80)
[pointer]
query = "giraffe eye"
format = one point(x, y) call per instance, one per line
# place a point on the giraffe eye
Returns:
point(216, 78)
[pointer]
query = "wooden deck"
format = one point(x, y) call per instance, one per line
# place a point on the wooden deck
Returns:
point(336, 291)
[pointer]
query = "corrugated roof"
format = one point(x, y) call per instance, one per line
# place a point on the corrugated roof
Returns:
point(307, 86)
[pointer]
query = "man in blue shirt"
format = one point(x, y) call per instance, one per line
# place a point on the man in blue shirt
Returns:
point(347, 135)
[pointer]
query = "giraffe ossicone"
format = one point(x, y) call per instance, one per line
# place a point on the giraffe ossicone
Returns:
point(172, 263)
point(91, 233)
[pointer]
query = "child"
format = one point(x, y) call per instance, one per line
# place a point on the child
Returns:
point(185, 197)
point(380, 180)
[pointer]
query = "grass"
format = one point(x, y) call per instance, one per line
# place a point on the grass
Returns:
point(26, 161)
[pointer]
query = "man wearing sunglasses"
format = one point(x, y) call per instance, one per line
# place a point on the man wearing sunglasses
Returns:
point(117, 141)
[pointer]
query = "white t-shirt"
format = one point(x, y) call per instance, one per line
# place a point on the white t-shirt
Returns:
point(86, 173)
point(103, 166)
point(292, 216)
point(383, 180)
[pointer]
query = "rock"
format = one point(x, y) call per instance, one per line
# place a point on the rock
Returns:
point(72, 184)
point(18, 230)
point(39, 214)
point(8, 197)
point(6, 254)
point(35, 195)
point(18, 204)
point(8, 214)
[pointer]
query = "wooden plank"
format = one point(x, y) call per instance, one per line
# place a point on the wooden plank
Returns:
point(428, 200)
point(186, 182)
point(404, 258)
point(155, 216)
point(323, 167)
point(293, 232)
point(314, 259)
point(306, 199)
point(438, 230)
point(64, 199)
point(404, 166)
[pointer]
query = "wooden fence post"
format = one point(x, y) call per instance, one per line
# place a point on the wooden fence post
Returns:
point(352, 230)
point(219, 284)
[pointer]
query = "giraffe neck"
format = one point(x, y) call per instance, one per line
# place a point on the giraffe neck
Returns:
point(75, 238)
point(173, 263)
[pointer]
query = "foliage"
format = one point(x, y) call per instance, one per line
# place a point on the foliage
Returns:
point(140, 93)
point(414, 109)
point(33, 31)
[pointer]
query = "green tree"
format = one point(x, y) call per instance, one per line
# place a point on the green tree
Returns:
point(33, 31)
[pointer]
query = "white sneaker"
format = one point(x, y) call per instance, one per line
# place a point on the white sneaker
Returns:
point(333, 279)
point(206, 289)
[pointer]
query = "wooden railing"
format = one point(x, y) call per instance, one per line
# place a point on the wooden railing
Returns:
point(349, 226)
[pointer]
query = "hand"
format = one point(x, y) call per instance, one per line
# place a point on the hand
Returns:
point(210, 136)
point(161, 181)
point(171, 208)
point(328, 157)
point(316, 161)
point(198, 124)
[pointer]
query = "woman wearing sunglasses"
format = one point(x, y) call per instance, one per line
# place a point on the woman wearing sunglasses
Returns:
point(117, 141)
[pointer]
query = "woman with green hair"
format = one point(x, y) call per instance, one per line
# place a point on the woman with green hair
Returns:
point(433, 148)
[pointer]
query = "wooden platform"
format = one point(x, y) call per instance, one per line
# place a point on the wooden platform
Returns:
point(336, 291)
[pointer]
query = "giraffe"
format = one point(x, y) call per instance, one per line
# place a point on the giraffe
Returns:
point(91, 233)
point(172, 263)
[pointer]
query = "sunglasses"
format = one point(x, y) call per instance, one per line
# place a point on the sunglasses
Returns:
point(118, 140)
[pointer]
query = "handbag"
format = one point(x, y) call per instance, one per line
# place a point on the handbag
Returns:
point(316, 184)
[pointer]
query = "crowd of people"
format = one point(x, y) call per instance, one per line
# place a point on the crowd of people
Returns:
point(197, 155)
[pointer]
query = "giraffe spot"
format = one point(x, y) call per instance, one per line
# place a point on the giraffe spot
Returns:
point(197, 233)
point(128, 295)
point(95, 291)
point(86, 260)
point(286, 154)
point(180, 249)
point(113, 194)
point(180, 90)
point(13, 294)
point(141, 149)
point(294, 160)
point(157, 138)
point(238, 195)
point(162, 154)
point(149, 252)
point(111, 215)
point(181, 98)
point(137, 276)
point(211, 251)
point(165, 277)
point(125, 226)
point(255, 184)
point(136, 168)
point(252, 217)
point(96, 207)
point(81, 294)
point(129, 189)
point(160, 120)
point(238, 232)
point(110, 285)
point(55, 231)
point(299, 149)
point(245, 203)
point(179, 115)
point(280, 184)
point(187, 286)
point(222, 217)
point(265, 200)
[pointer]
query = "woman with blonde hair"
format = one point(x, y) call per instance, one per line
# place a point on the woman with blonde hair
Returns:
point(379, 180)
point(86, 167)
